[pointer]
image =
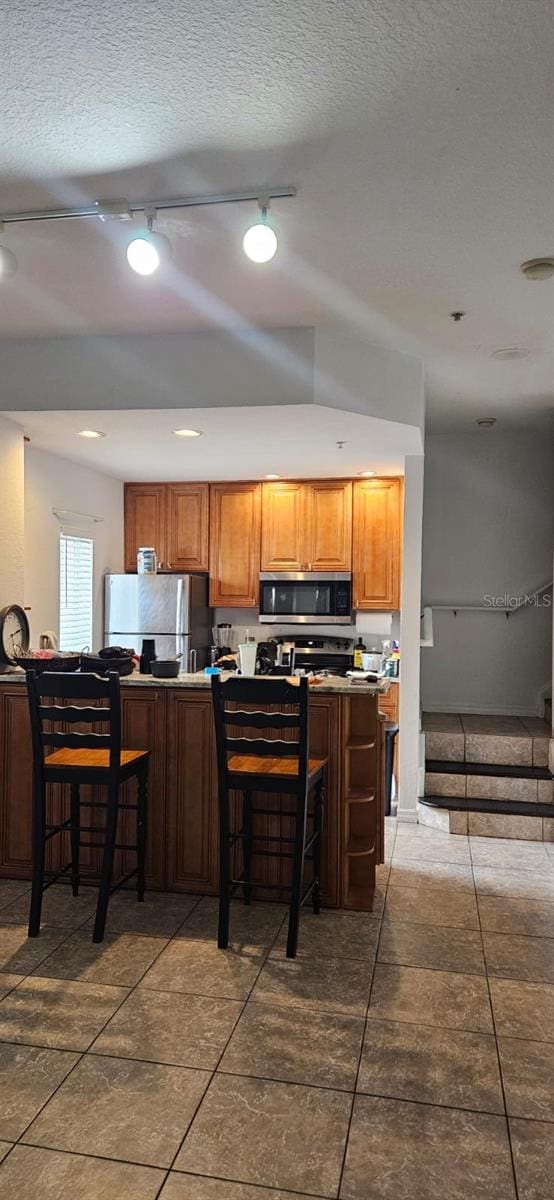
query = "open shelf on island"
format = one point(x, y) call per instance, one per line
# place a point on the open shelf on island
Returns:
point(359, 846)
point(360, 795)
point(361, 832)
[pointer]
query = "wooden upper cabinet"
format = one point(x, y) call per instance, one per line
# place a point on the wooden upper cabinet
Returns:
point(377, 544)
point(171, 517)
point(284, 527)
point(145, 524)
point(235, 525)
point(329, 525)
point(307, 526)
point(187, 514)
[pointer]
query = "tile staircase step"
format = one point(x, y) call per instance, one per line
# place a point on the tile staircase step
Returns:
point(520, 808)
point(502, 770)
point(486, 738)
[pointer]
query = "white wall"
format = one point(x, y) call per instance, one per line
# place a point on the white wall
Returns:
point(52, 482)
point(11, 513)
point(213, 369)
point(409, 754)
point(487, 530)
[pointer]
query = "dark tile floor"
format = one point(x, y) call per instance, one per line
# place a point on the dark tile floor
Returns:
point(406, 1055)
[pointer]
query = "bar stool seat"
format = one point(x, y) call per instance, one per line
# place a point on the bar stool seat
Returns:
point(246, 764)
point(98, 760)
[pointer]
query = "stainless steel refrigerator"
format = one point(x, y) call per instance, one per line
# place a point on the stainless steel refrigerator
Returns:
point(172, 609)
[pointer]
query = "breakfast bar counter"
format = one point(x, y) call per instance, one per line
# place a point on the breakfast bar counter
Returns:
point(173, 719)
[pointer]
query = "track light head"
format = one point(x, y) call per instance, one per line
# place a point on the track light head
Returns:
point(8, 261)
point(148, 249)
point(260, 241)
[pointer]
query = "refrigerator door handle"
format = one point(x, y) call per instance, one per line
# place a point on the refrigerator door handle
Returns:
point(192, 662)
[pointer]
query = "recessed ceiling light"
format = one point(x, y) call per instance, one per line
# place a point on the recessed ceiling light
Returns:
point(273, 476)
point(366, 474)
point(187, 432)
point(538, 268)
point(91, 433)
point(510, 353)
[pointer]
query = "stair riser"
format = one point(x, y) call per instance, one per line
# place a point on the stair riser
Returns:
point(487, 748)
point(497, 825)
point(489, 787)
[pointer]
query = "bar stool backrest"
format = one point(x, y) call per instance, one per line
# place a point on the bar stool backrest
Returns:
point(289, 702)
point(53, 686)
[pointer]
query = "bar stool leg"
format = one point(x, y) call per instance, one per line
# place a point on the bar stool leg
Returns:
point(107, 863)
point(75, 835)
point(142, 810)
point(224, 871)
point(247, 844)
point(39, 847)
point(319, 805)
point(297, 874)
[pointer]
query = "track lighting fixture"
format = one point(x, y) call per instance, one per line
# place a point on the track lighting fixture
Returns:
point(260, 241)
point(147, 250)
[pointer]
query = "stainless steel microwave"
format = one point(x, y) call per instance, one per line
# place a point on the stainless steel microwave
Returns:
point(306, 598)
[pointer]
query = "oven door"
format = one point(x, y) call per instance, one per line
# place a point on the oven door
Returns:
point(305, 599)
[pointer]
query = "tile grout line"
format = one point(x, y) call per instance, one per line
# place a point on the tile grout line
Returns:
point(501, 1076)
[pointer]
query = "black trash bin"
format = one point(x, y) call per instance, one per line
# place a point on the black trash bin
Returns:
point(391, 730)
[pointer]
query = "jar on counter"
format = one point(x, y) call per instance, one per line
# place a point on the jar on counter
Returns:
point(147, 561)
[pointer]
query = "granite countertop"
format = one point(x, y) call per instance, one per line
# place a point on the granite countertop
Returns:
point(334, 685)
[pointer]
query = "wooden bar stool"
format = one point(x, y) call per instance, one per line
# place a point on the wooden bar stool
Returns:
point(267, 764)
point(82, 758)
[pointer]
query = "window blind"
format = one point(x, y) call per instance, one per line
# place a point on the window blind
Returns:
point(76, 591)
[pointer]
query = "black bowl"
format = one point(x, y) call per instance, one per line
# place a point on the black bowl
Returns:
point(165, 668)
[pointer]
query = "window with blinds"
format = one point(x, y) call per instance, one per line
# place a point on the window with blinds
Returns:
point(76, 591)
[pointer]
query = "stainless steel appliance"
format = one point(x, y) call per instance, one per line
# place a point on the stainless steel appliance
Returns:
point(332, 655)
point(172, 609)
point(306, 598)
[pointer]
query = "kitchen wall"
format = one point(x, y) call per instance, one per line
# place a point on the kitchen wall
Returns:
point(11, 513)
point(372, 627)
point(487, 530)
point(53, 482)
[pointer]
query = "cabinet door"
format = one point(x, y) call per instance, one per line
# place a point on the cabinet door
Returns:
point(377, 544)
point(325, 743)
point(330, 525)
point(235, 511)
point(143, 727)
point(16, 783)
point(144, 521)
point(187, 508)
point(191, 793)
point(284, 527)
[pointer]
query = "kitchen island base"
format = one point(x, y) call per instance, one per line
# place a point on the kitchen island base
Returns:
point(175, 723)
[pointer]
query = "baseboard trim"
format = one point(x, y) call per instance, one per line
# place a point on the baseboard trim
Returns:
point(437, 706)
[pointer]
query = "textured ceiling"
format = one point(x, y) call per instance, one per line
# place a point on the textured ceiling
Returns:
point(420, 134)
